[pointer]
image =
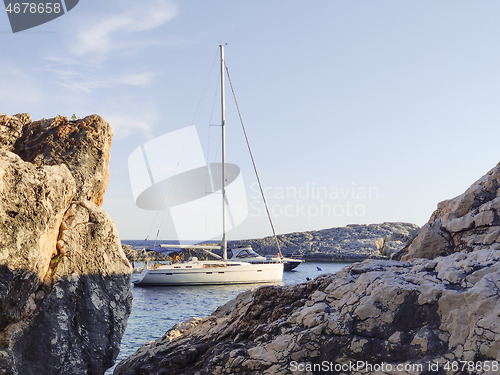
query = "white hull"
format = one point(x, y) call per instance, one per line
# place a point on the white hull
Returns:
point(211, 273)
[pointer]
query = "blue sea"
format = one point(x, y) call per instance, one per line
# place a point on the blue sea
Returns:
point(157, 309)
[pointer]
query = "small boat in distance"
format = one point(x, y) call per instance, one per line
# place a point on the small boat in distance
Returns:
point(245, 253)
point(219, 271)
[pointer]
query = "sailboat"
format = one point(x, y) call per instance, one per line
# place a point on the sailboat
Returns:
point(219, 271)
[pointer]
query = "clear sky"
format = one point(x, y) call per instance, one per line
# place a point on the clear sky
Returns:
point(358, 111)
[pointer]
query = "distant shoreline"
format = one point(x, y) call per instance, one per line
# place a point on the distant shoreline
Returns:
point(338, 260)
point(349, 244)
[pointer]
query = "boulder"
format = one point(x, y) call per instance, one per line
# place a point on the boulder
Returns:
point(87, 298)
point(371, 313)
point(64, 278)
point(465, 223)
point(11, 128)
point(33, 202)
point(82, 145)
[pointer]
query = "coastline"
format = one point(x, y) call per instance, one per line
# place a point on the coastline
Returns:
point(339, 260)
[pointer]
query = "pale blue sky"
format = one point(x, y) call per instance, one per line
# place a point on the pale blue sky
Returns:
point(395, 99)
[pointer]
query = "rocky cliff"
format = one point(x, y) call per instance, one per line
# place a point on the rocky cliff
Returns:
point(342, 244)
point(465, 223)
point(64, 279)
point(418, 316)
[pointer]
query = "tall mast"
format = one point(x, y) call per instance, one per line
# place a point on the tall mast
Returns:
point(223, 110)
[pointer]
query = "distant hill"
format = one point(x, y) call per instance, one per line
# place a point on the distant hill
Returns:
point(351, 243)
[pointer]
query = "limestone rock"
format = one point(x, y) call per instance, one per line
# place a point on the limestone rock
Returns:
point(465, 223)
point(82, 145)
point(87, 229)
point(376, 311)
point(11, 128)
point(64, 278)
point(87, 300)
point(31, 213)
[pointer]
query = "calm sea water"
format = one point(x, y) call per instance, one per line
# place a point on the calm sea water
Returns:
point(157, 309)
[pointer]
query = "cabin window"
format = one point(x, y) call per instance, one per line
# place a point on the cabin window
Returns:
point(247, 254)
point(244, 254)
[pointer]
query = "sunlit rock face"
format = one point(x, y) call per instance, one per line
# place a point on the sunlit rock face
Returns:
point(417, 316)
point(64, 279)
point(465, 223)
point(82, 145)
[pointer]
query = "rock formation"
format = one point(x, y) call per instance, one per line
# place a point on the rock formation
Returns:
point(82, 145)
point(139, 255)
point(64, 279)
point(423, 316)
point(343, 244)
point(465, 223)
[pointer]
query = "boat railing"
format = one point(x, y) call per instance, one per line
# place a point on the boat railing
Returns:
point(294, 256)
